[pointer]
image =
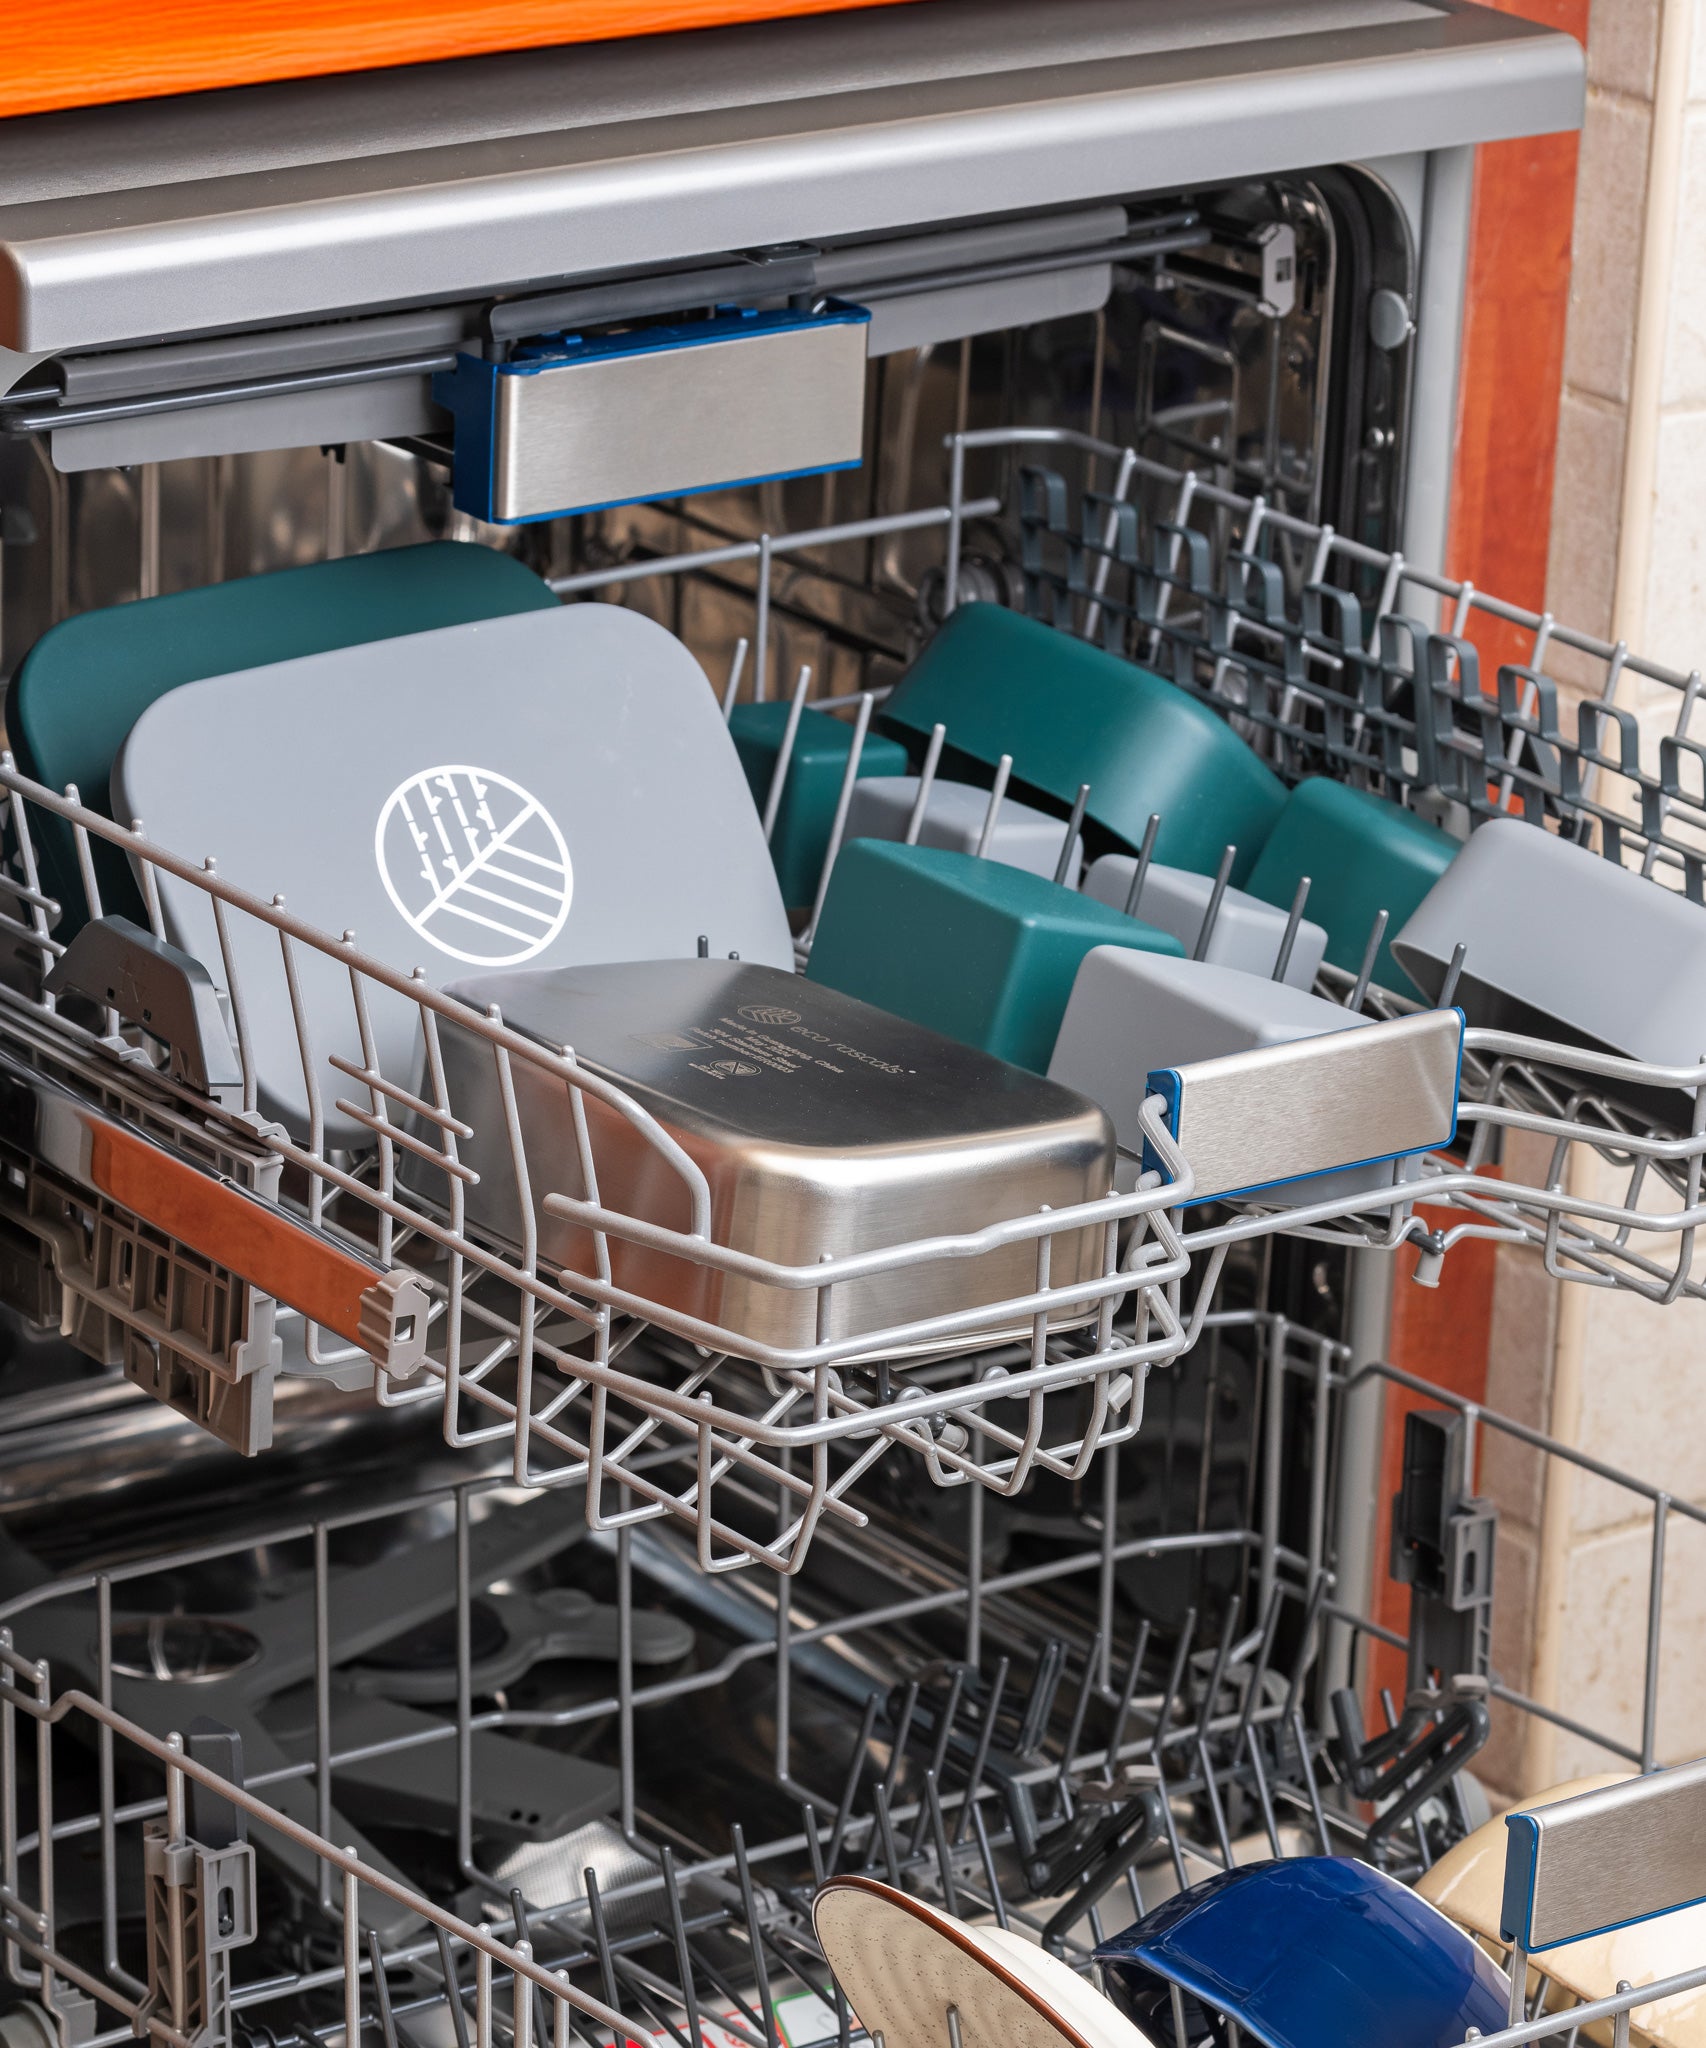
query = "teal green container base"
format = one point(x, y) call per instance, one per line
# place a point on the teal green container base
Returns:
point(1362, 854)
point(86, 681)
point(984, 953)
point(813, 788)
point(1070, 713)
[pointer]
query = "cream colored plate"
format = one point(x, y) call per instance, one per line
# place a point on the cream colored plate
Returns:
point(902, 1964)
point(1467, 1885)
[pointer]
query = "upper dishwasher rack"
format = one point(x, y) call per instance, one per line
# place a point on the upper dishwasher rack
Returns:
point(1315, 647)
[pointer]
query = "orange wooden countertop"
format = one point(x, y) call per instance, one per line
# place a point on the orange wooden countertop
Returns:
point(54, 56)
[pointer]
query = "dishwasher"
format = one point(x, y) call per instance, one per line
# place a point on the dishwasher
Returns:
point(814, 1486)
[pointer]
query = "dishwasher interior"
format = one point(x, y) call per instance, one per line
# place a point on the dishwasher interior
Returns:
point(533, 1677)
point(1266, 347)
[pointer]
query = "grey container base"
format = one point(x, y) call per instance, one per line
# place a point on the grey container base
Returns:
point(1247, 933)
point(954, 817)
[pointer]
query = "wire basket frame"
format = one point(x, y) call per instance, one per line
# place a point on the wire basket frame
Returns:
point(584, 1379)
point(540, 1356)
point(1343, 659)
point(1224, 1715)
point(1336, 658)
point(1326, 654)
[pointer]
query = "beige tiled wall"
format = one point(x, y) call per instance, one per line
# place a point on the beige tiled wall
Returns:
point(1611, 201)
point(1621, 1378)
point(1673, 601)
point(1619, 175)
point(1676, 583)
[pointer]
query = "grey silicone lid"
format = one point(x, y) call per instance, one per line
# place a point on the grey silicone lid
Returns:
point(1563, 943)
point(1131, 1013)
point(543, 790)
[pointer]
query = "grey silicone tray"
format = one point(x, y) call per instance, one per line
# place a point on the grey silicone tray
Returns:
point(541, 790)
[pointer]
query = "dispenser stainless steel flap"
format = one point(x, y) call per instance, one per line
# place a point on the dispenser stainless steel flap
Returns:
point(570, 425)
point(1347, 1098)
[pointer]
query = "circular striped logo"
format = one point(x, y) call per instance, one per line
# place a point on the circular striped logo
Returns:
point(475, 864)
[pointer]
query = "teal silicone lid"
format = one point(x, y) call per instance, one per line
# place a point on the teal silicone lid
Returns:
point(813, 787)
point(1070, 713)
point(86, 681)
point(979, 951)
point(1362, 854)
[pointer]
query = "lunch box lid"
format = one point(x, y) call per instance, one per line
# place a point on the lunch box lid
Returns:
point(1070, 713)
point(86, 681)
point(740, 1053)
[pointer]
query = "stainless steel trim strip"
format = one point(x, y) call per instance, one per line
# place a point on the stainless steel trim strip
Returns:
point(1625, 1853)
point(372, 409)
point(1285, 1111)
point(55, 419)
point(914, 319)
point(247, 359)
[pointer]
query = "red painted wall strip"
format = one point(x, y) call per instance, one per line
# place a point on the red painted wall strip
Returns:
point(1513, 362)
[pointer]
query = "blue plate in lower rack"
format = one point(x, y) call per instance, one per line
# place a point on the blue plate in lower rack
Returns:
point(1309, 1952)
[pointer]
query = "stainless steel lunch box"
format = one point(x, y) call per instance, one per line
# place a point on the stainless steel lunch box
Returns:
point(822, 1126)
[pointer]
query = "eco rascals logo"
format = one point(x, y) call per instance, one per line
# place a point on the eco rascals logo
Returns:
point(475, 864)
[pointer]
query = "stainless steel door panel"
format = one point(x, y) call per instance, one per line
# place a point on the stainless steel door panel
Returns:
point(280, 202)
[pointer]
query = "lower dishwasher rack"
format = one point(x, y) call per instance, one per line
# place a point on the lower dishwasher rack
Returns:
point(1005, 1739)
